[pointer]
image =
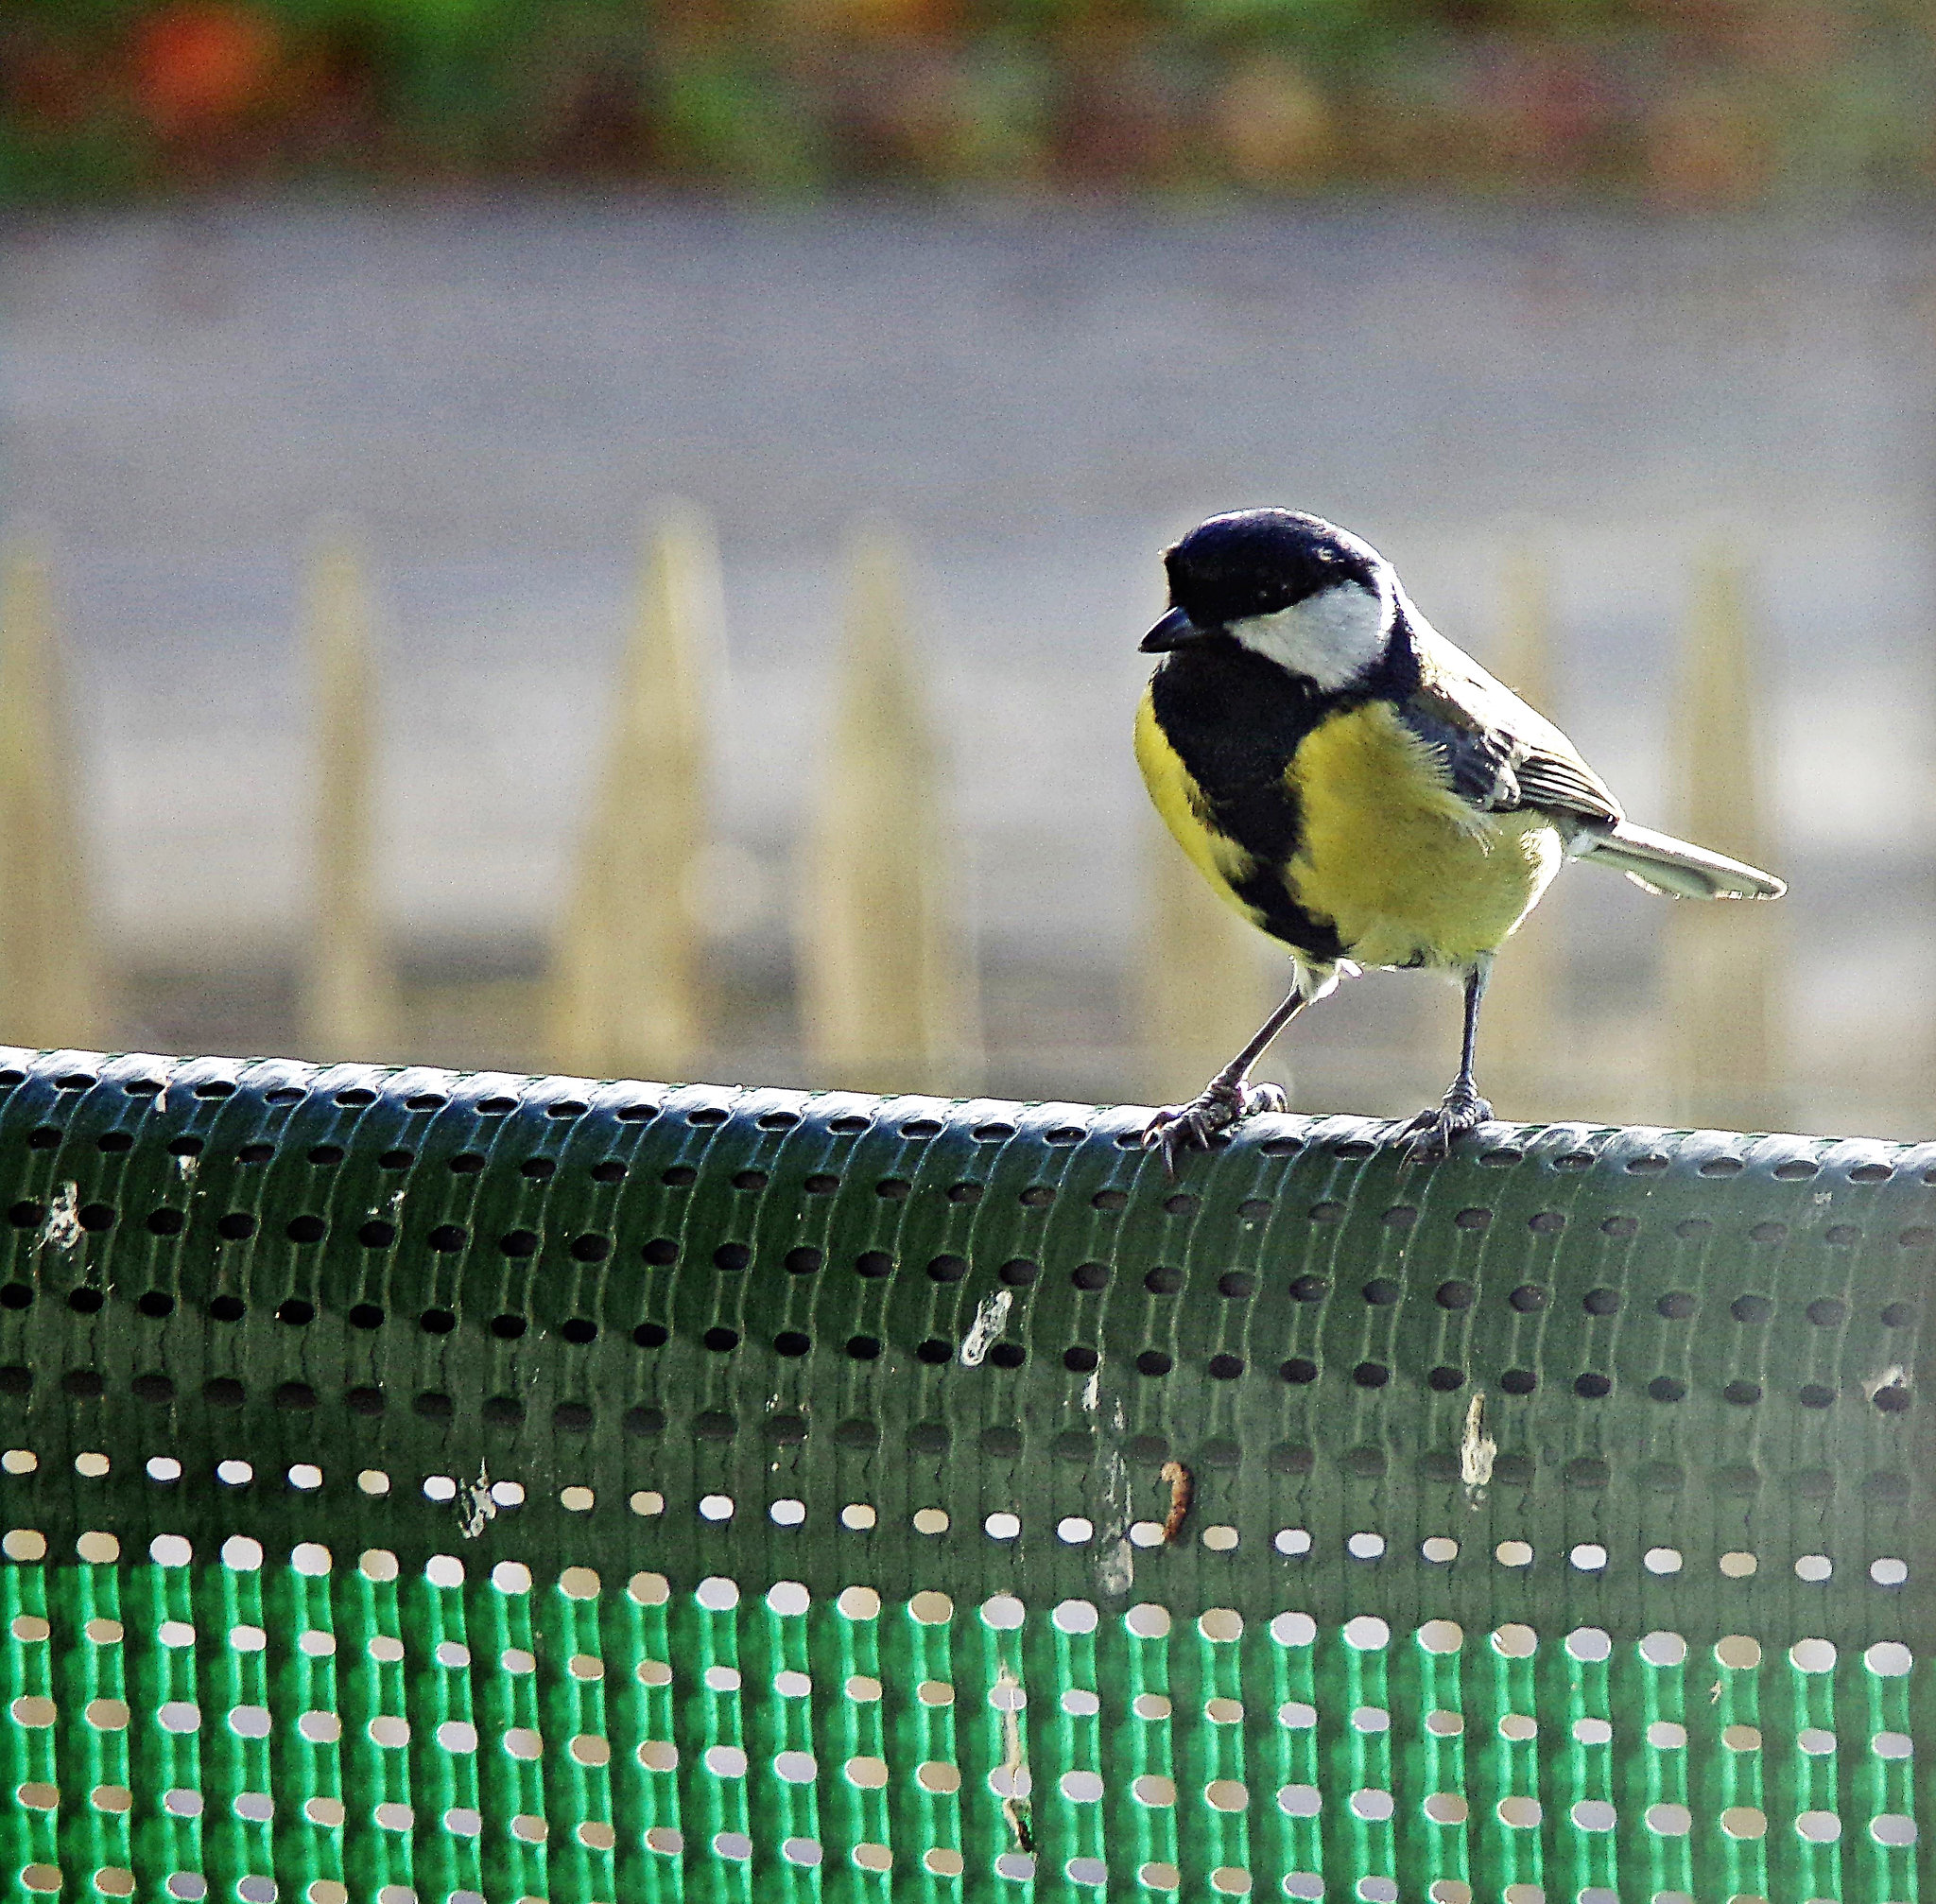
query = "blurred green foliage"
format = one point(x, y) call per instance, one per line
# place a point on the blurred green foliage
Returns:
point(1693, 103)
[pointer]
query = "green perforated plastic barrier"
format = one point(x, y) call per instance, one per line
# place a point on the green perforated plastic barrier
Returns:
point(435, 1488)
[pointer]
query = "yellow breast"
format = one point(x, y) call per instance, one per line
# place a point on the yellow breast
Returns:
point(1409, 873)
point(1217, 857)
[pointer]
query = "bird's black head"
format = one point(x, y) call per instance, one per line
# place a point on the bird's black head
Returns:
point(1313, 597)
point(1258, 561)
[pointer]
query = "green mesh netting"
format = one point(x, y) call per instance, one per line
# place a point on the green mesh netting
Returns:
point(435, 1488)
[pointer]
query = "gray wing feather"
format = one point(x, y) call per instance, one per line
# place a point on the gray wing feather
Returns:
point(1564, 782)
point(1499, 753)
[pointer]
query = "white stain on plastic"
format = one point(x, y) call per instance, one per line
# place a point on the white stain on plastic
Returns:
point(62, 1229)
point(476, 1506)
point(1477, 1450)
point(1894, 1376)
point(989, 1319)
point(1014, 1763)
point(1116, 1559)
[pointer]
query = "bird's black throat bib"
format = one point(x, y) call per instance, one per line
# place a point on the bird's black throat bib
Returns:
point(1236, 720)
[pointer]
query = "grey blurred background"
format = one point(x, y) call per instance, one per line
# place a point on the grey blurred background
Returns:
point(500, 390)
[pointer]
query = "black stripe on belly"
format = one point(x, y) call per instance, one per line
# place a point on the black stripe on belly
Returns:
point(1235, 720)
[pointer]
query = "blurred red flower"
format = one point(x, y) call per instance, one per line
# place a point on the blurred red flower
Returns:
point(201, 62)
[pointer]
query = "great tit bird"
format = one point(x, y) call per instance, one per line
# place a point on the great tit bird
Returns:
point(1362, 790)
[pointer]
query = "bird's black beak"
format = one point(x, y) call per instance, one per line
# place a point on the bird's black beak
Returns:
point(1174, 630)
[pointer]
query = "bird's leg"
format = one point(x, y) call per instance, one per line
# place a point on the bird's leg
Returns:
point(1227, 1098)
point(1429, 1136)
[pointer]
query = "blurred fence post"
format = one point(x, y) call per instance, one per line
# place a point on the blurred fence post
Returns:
point(1721, 1024)
point(350, 1007)
point(1201, 990)
point(1521, 1031)
point(886, 986)
point(627, 994)
point(49, 983)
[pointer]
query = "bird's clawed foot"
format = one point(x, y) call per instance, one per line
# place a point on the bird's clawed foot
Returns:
point(1179, 1128)
point(1427, 1137)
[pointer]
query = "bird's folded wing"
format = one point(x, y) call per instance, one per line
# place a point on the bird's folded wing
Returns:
point(1499, 753)
point(1564, 783)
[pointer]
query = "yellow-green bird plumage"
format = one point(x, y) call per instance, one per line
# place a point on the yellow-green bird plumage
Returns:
point(1403, 869)
point(1180, 803)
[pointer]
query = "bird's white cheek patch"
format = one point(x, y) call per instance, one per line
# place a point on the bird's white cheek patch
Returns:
point(1329, 638)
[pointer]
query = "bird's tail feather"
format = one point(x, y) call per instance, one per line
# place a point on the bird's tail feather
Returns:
point(1663, 864)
